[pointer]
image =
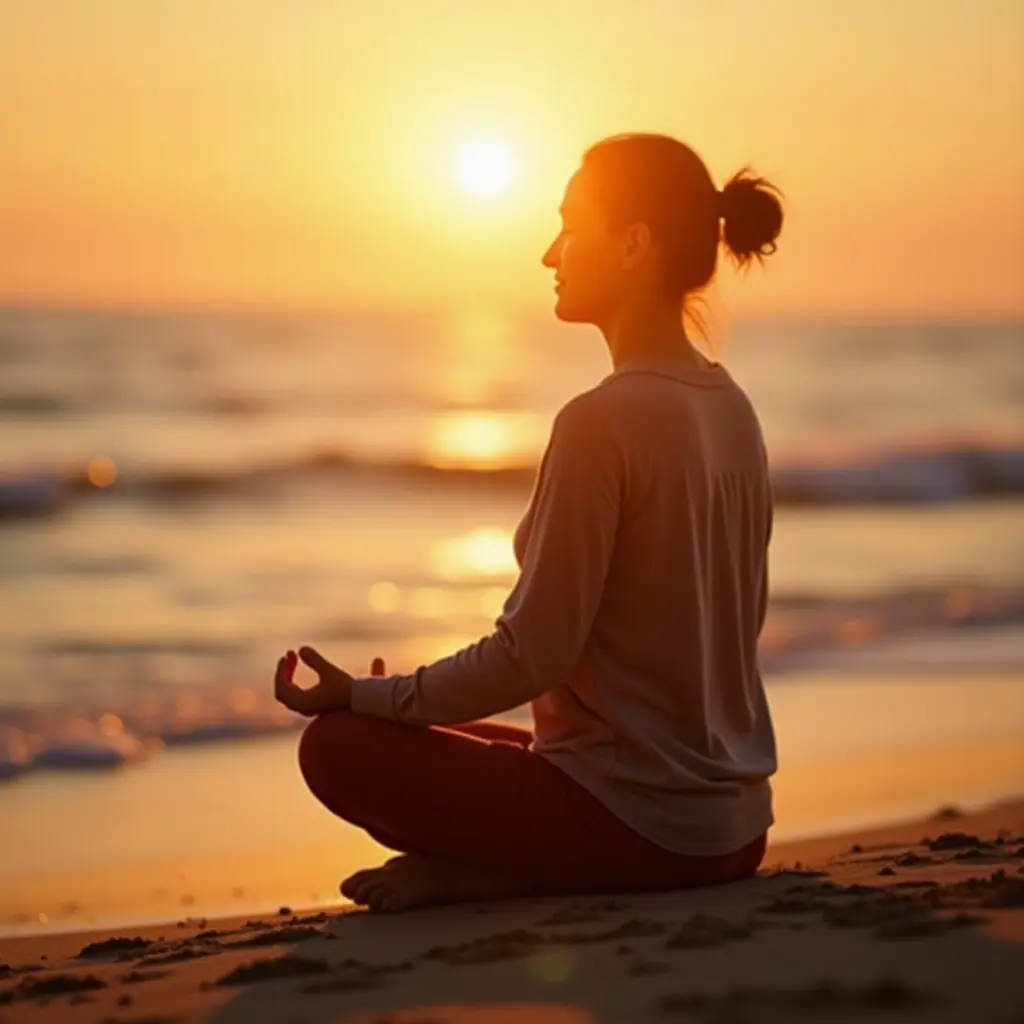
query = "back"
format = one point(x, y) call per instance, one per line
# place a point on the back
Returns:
point(664, 717)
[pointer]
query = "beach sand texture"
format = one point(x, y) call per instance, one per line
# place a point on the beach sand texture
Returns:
point(915, 922)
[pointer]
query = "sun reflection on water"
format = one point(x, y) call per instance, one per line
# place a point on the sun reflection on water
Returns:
point(480, 440)
point(486, 551)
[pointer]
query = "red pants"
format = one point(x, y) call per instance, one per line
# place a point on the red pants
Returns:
point(476, 794)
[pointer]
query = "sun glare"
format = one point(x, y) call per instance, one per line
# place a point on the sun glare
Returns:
point(484, 167)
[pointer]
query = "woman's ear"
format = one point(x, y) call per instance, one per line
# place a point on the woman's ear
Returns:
point(635, 245)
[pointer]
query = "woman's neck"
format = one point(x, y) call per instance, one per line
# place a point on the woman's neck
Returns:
point(649, 332)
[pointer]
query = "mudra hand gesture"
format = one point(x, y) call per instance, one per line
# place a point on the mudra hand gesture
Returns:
point(333, 689)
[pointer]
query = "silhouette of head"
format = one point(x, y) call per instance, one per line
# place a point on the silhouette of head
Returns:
point(642, 221)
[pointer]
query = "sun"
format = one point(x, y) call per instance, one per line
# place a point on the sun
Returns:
point(484, 167)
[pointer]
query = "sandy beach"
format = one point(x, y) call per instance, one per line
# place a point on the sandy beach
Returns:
point(920, 921)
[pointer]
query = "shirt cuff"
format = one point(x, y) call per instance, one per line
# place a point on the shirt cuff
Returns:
point(373, 695)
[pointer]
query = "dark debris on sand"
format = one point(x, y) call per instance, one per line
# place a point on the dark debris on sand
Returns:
point(281, 936)
point(287, 966)
point(521, 942)
point(116, 945)
point(802, 904)
point(998, 891)
point(702, 931)
point(137, 977)
point(583, 913)
point(635, 928)
point(53, 985)
point(877, 911)
point(797, 871)
point(502, 946)
point(957, 841)
point(923, 925)
point(353, 981)
point(831, 890)
point(178, 954)
point(318, 918)
point(904, 909)
point(820, 1001)
point(24, 969)
point(911, 859)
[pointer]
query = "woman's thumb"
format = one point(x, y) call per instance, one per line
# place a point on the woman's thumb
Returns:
point(377, 667)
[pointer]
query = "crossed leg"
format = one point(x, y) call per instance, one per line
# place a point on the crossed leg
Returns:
point(478, 815)
point(412, 880)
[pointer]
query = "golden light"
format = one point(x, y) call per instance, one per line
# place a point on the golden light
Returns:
point(111, 725)
point(470, 440)
point(385, 598)
point(430, 603)
point(486, 551)
point(484, 167)
point(101, 471)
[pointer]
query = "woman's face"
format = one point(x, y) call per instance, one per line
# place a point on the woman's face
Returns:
point(586, 258)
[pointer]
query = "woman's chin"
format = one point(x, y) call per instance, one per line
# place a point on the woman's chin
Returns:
point(565, 312)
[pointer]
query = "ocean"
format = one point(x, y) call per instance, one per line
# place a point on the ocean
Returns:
point(183, 497)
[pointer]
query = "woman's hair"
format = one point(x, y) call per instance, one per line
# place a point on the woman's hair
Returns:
point(661, 181)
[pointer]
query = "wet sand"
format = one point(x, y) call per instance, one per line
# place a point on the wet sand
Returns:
point(921, 921)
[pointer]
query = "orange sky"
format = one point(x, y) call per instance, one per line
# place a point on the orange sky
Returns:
point(300, 153)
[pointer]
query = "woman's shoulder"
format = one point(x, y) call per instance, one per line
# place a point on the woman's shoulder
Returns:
point(605, 398)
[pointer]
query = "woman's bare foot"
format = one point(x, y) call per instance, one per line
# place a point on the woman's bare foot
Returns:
point(411, 881)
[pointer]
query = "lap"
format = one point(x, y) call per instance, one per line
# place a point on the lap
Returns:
point(478, 795)
point(442, 776)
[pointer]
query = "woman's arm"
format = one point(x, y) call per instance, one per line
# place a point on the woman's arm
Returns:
point(546, 620)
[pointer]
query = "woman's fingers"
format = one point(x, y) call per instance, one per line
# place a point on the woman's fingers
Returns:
point(285, 690)
point(316, 661)
point(328, 694)
point(377, 667)
point(281, 678)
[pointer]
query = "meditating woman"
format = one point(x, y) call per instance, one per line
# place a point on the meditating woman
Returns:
point(632, 628)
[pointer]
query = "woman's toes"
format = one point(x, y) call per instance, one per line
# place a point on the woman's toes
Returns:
point(390, 903)
point(355, 885)
point(375, 893)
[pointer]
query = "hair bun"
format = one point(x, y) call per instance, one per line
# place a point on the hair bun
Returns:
point(750, 207)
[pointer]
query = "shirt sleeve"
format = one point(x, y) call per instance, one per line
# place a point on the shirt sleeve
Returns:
point(546, 620)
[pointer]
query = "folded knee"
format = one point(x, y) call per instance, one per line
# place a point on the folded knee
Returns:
point(325, 740)
point(338, 739)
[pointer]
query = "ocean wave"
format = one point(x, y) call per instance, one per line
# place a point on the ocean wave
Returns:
point(952, 472)
point(36, 403)
point(78, 731)
point(959, 471)
point(25, 495)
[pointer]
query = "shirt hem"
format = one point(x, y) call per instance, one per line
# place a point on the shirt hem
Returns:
point(599, 789)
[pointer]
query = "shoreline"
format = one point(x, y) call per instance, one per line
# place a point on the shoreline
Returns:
point(792, 847)
point(236, 831)
point(187, 888)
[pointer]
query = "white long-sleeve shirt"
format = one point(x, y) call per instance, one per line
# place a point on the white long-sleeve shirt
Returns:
point(632, 629)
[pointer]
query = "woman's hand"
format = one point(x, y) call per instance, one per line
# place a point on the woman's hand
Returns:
point(333, 689)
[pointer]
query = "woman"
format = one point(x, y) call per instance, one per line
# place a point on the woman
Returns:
point(632, 629)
